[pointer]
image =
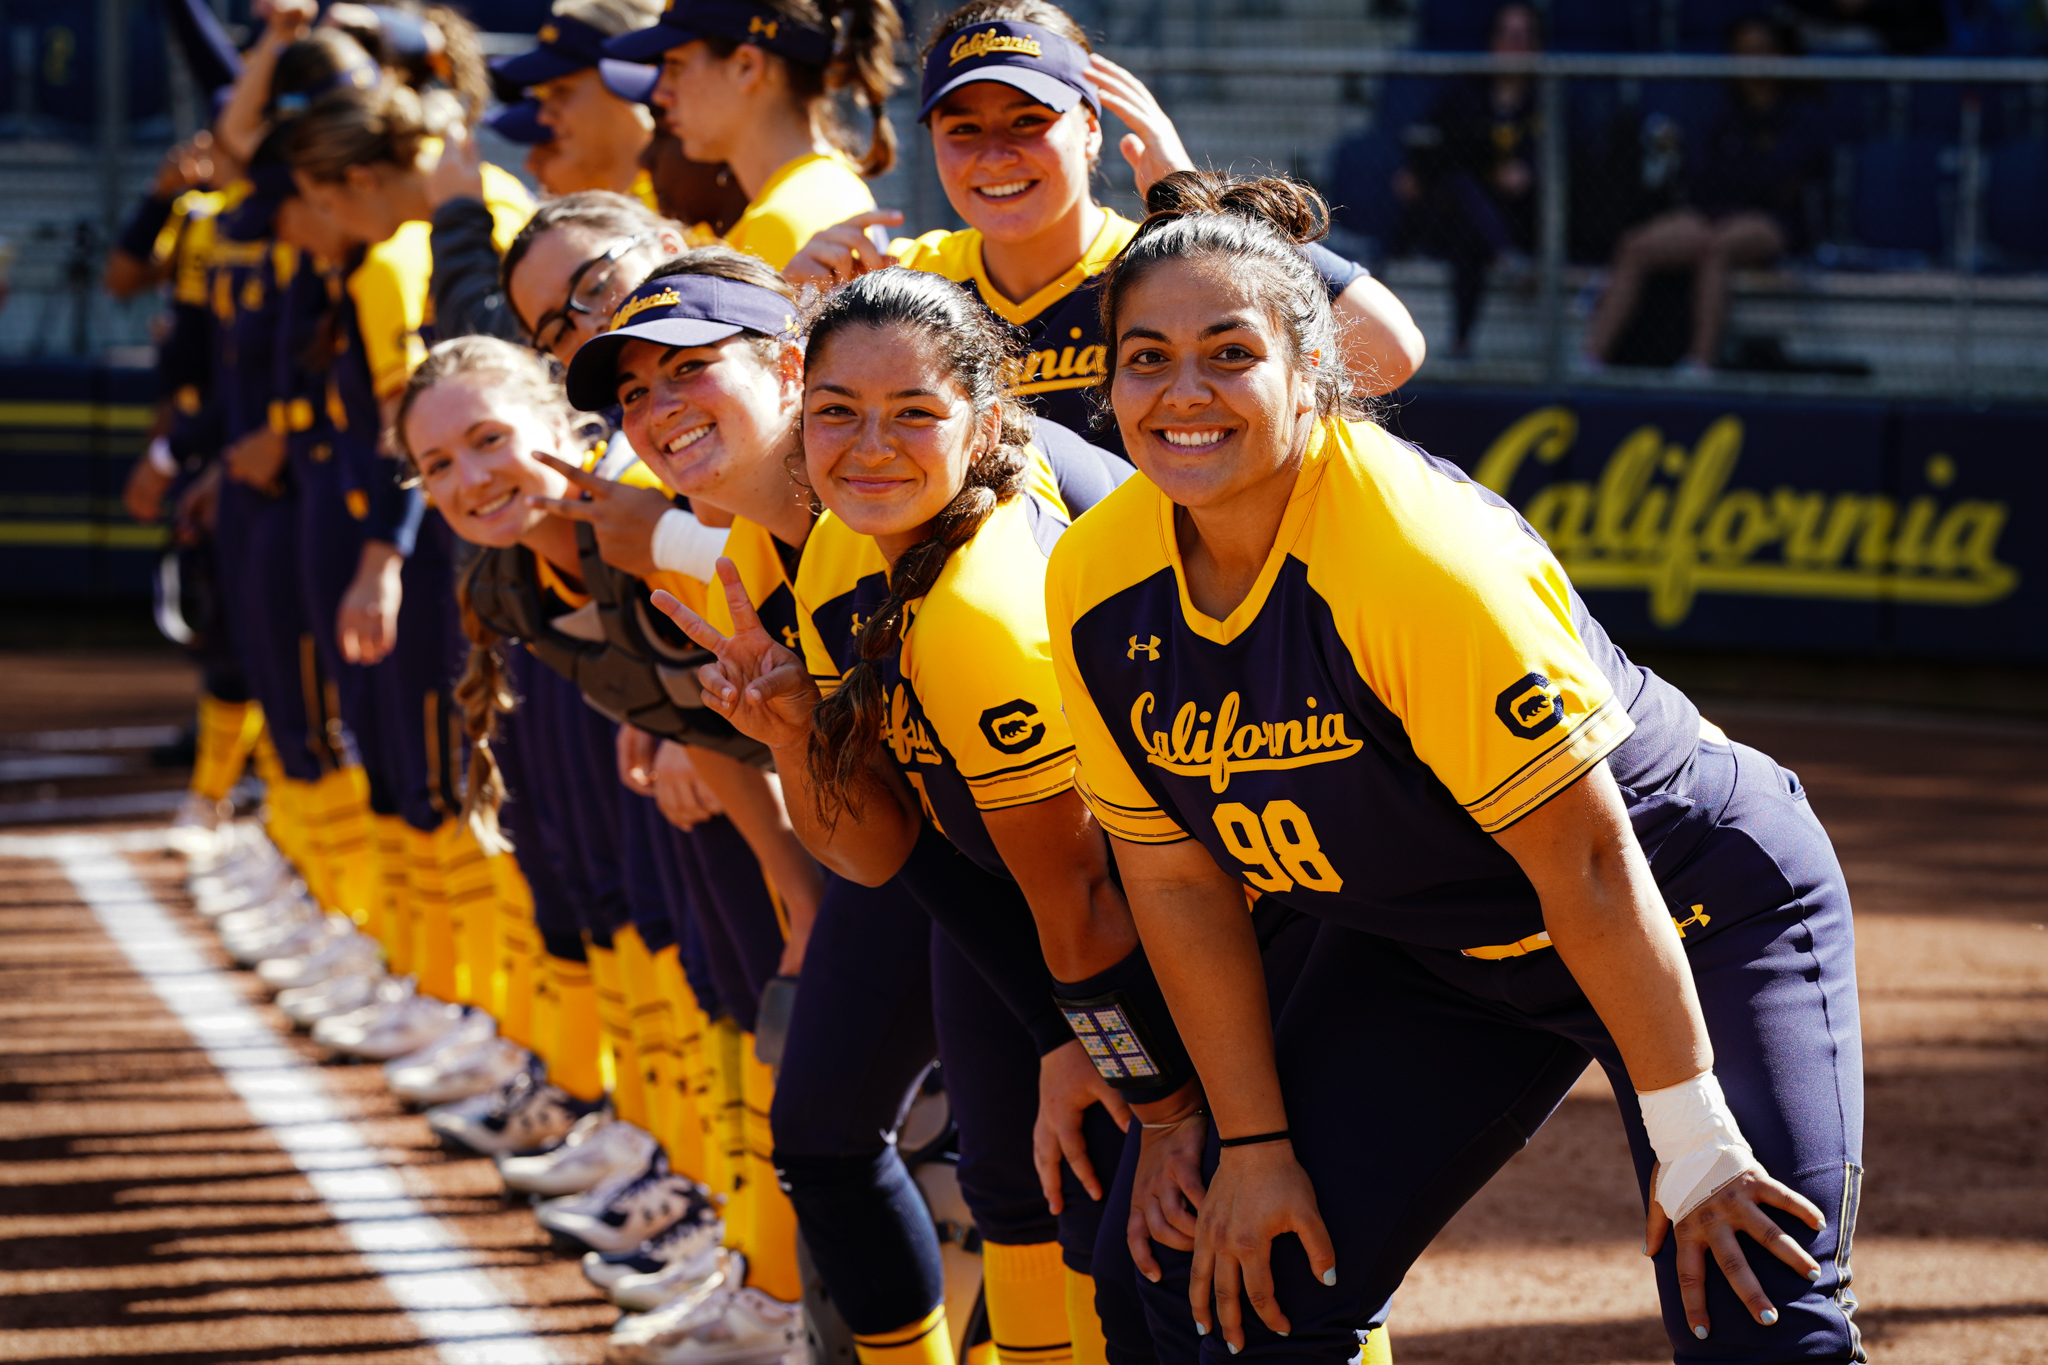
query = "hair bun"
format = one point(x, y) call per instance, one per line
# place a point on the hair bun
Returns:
point(1288, 206)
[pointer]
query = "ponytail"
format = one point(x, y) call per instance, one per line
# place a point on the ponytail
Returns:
point(847, 728)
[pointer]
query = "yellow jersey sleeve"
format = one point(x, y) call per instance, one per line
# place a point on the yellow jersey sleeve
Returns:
point(509, 204)
point(752, 551)
point(390, 293)
point(1462, 623)
point(800, 200)
point(1075, 582)
point(979, 657)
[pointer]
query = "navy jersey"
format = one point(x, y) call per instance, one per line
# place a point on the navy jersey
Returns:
point(1410, 673)
point(1060, 327)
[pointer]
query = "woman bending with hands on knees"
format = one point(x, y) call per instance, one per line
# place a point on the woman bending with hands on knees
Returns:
point(1014, 100)
point(1527, 852)
point(711, 382)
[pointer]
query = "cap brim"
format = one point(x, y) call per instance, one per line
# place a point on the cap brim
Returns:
point(647, 44)
point(632, 82)
point(520, 123)
point(536, 67)
point(592, 382)
point(1050, 91)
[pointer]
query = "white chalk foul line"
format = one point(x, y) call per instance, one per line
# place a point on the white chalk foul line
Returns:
point(424, 1266)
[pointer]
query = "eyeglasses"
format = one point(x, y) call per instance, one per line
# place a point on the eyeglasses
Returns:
point(589, 293)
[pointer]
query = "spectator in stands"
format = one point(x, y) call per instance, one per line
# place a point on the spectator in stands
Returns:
point(1749, 206)
point(1469, 188)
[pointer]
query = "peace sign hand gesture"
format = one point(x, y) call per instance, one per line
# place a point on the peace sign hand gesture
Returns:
point(623, 516)
point(758, 685)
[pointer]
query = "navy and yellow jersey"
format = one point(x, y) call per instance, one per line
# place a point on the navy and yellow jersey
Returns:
point(246, 284)
point(767, 570)
point(1060, 327)
point(802, 199)
point(508, 203)
point(1410, 673)
point(299, 411)
point(974, 716)
point(186, 355)
point(389, 291)
point(378, 311)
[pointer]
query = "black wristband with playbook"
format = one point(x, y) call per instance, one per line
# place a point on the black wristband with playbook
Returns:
point(1121, 1018)
point(138, 235)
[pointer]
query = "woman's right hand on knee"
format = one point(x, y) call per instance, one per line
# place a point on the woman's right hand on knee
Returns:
point(1166, 1194)
point(1710, 1230)
point(1258, 1193)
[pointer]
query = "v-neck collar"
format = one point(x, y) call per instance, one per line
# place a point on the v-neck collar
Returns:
point(1114, 236)
point(1307, 480)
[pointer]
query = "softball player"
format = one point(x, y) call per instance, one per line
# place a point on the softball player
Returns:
point(592, 109)
point(1303, 658)
point(751, 86)
point(1014, 100)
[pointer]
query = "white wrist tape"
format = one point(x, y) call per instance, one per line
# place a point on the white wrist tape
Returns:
point(685, 545)
point(161, 459)
point(1699, 1148)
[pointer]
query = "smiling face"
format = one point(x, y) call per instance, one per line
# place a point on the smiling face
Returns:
point(1207, 392)
point(475, 454)
point(598, 136)
point(569, 262)
point(888, 432)
point(706, 418)
point(1012, 167)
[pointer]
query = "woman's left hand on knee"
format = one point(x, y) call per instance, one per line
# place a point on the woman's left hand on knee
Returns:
point(1737, 1207)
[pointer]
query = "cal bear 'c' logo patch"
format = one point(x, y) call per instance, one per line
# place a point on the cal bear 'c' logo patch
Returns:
point(1530, 706)
point(1011, 727)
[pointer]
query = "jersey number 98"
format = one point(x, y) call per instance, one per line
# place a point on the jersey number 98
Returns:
point(1278, 846)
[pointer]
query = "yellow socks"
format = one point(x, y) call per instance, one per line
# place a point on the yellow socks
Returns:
point(724, 1105)
point(517, 953)
point(228, 731)
point(1378, 1349)
point(654, 1032)
point(338, 831)
point(685, 1142)
point(1026, 1289)
point(433, 933)
point(471, 893)
point(771, 1220)
point(629, 1094)
point(924, 1342)
point(394, 876)
point(576, 1041)
point(1090, 1346)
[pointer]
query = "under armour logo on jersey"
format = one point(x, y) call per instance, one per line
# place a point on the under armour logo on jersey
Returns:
point(1699, 916)
point(790, 638)
point(859, 623)
point(765, 27)
point(1151, 648)
point(1530, 706)
point(1011, 727)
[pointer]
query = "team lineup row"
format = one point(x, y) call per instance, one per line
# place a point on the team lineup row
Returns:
point(709, 661)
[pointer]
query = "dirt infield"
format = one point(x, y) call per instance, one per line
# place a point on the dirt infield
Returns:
point(144, 1216)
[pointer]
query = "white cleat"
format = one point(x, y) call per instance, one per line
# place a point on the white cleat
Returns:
point(288, 935)
point(525, 1114)
point(620, 1215)
point(343, 949)
point(260, 887)
point(342, 1029)
point(458, 1073)
point(196, 831)
point(342, 993)
point(678, 1279)
point(598, 1150)
point(719, 1325)
point(686, 1237)
point(477, 1027)
point(407, 1028)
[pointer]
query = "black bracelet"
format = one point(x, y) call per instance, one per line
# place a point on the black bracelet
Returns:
point(1284, 1135)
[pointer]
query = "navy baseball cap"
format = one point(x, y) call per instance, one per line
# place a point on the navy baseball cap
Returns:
point(567, 46)
point(520, 123)
point(1051, 69)
point(674, 310)
point(685, 21)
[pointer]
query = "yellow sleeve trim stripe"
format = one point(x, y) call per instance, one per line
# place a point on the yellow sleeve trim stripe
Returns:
point(1133, 826)
point(1595, 737)
point(1023, 786)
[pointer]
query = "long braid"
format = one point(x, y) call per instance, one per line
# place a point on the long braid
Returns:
point(484, 693)
point(847, 728)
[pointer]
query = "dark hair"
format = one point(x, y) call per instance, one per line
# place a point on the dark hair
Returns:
point(1039, 12)
point(865, 34)
point(846, 729)
point(1259, 225)
point(385, 124)
point(311, 64)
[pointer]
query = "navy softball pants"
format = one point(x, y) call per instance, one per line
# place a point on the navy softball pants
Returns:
point(255, 548)
point(1468, 1058)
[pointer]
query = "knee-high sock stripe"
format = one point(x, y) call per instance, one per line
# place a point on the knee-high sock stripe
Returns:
point(629, 1094)
point(578, 1040)
point(433, 933)
point(471, 892)
point(513, 976)
point(685, 1141)
point(653, 1022)
point(1027, 1303)
point(394, 875)
point(924, 1342)
point(228, 731)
